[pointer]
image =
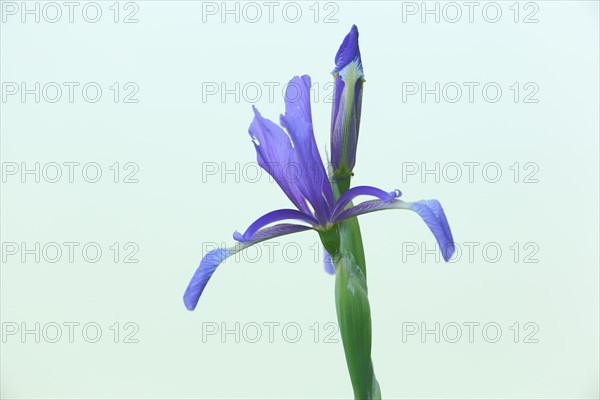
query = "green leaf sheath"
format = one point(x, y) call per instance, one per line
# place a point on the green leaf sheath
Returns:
point(352, 303)
point(354, 318)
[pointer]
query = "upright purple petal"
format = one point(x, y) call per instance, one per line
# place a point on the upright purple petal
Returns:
point(276, 155)
point(294, 161)
point(297, 120)
point(431, 212)
point(215, 257)
point(297, 98)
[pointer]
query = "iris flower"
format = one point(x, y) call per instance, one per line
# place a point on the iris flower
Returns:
point(325, 203)
point(292, 147)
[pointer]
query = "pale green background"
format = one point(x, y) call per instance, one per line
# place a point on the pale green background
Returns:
point(170, 213)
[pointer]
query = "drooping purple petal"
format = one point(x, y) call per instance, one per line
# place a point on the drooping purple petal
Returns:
point(356, 191)
point(297, 120)
point(271, 217)
point(203, 273)
point(434, 216)
point(277, 230)
point(371, 206)
point(348, 51)
point(215, 257)
point(431, 212)
point(328, 263)
point(275, 154)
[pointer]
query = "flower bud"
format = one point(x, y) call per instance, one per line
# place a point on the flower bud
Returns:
point(347, 98)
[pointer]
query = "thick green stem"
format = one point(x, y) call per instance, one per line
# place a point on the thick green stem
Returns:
point(354, 318)
point(352, 303)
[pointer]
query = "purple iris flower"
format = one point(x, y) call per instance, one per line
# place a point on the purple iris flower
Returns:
point(347, 100)
point(309, 189)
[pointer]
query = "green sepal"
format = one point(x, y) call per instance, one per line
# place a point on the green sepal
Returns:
point(330, 239)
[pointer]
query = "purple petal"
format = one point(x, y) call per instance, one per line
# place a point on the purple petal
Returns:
point(277, 230)
point(354, 192)
point(348, 51)
point(297, 98)
point(358, 93)
point(207, 267)
point(337, 115)
point(434, 216)
point(314, 183)
point(431, 212)
point(327, 263)
point(214, 258)
point(275, 154)
point(370, 206)
point(271, 217)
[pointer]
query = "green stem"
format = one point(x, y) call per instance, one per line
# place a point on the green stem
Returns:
point(352, 303)
point(354, 318)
